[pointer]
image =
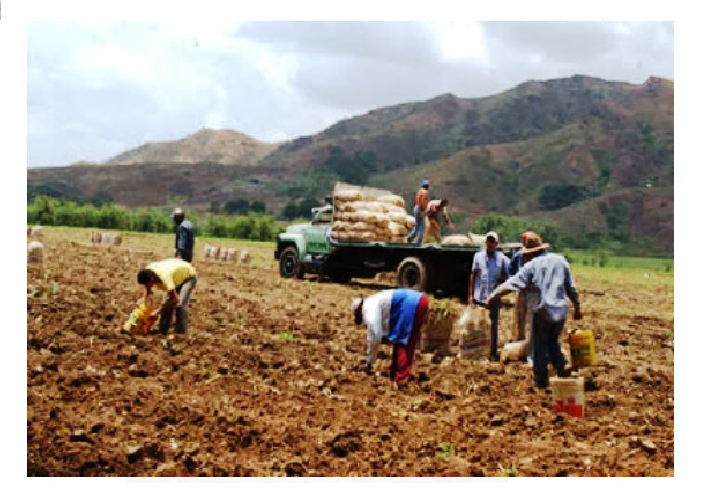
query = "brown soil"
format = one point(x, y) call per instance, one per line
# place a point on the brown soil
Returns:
point(270, 382)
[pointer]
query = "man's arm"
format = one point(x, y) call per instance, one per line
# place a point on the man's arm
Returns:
point(373, 345)
point(515, 283)
point(374, 333)
point(446, 217)
point(472, 282)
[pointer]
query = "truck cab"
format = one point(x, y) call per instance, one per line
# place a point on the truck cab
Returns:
point(304, 247)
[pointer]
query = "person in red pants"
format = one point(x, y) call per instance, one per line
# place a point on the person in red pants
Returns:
point(398, 316)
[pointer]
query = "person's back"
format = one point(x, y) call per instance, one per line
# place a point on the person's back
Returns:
point(550, 274)
point(185, 239)
point(172, 272)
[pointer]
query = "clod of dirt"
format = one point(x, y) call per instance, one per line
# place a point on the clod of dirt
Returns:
point(133, 453)
point(648, 446)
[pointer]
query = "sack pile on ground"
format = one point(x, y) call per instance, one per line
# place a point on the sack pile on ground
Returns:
point(106, 239)
point(369, 214)
point(438, 326)
point(473, 332)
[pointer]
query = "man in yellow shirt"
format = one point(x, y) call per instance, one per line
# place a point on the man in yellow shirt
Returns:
point(178, 278)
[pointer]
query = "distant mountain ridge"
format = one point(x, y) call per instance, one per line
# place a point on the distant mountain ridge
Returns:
point(225, 147)
point(543, 149)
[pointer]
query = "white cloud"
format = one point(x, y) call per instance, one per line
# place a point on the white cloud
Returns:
point(125, 83)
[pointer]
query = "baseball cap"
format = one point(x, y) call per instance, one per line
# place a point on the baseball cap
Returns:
point(178, 211)
point(492, 234)
point(425, 183)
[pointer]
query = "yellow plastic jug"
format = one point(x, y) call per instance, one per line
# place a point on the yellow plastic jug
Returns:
point(140, 320)
point(581, 344)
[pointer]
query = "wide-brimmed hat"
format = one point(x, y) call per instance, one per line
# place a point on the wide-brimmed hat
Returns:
point(533, 243)
point(525, 236)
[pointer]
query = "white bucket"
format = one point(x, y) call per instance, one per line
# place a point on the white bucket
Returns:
point(568, 395)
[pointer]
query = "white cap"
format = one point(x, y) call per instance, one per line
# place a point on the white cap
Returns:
point(492, 234)
point(178, 211)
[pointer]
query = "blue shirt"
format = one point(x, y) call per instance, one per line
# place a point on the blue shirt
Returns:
point(550, 274)
point(491, 270)
point(185, 239)
point(516, 263)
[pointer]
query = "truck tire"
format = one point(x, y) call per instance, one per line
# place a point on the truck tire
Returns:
point(411, 273)
point(290, 263)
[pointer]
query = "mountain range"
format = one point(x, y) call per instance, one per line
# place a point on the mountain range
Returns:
point(582, 152)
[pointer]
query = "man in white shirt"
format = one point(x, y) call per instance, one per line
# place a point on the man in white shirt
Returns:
point(397, 315)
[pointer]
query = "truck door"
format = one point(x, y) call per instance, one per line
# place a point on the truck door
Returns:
point(315, 235)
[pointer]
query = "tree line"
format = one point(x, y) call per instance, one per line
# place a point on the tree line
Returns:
point(44, 210)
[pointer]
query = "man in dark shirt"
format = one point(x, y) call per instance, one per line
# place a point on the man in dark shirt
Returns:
point(184, 236)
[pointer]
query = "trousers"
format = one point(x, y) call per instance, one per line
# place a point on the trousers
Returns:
point(403, 355)
point(181, 316)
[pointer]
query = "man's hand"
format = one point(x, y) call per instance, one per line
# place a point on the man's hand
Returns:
point(470, 300)
point(578, 314)
point(490, 300)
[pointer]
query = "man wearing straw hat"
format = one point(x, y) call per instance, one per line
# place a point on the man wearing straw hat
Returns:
point(548, 273)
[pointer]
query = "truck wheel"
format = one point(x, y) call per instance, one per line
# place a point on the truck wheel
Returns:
point(290, 264)
point(411, 273)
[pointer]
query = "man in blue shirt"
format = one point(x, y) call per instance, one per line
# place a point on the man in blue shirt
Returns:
point(184, 236)
point(489, 269)
point(548, 273)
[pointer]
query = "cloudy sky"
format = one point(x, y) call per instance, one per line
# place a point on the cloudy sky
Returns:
point(98, 88)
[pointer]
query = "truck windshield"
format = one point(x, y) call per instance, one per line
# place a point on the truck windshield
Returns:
point(322, 217)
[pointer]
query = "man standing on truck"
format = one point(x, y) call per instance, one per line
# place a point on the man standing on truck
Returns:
point(550, 275)
point(489, 269)
point(397, 315)
point(421, 200)
point(433, 226)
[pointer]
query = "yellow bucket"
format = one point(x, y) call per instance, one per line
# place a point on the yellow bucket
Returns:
point(568, 395)
point(139, 321)
point(581, 344)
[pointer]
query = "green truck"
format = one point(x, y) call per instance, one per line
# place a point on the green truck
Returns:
point(438, 269)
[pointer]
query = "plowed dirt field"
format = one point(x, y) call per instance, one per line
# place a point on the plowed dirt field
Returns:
point(269, 380)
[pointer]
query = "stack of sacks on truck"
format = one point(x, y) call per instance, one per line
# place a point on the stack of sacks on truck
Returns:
point(369, 214)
